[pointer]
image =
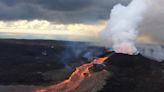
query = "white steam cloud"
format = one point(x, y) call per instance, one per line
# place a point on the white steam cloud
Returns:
point(122, 26)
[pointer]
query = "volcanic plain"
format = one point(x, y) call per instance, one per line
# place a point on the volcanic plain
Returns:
point(29, 65)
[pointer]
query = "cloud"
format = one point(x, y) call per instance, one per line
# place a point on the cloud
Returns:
point(39, 25)
point(152, 26)
point(43, 29)
point(78, 12)
point(61, 5)
point(65, 11)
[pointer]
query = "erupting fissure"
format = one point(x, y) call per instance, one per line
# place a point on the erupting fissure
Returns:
point(76, 78)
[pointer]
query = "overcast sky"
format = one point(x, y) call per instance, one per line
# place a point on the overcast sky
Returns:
point(64, 11)
point(153, 24)
point(86, 17)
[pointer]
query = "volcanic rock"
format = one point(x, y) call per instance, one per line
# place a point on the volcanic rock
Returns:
point(134, 74)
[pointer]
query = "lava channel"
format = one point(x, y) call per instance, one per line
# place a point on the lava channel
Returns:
point(75, 79)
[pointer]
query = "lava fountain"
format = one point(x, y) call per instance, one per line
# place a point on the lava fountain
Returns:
point(76, 78)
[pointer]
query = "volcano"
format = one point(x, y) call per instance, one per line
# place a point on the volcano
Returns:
point(127, 74)
point(134, 74)
point(116, 72)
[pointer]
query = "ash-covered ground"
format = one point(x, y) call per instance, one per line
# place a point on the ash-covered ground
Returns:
point(27, 65)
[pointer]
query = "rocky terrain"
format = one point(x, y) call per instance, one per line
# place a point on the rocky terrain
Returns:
point(28, 65)
point(134, 74)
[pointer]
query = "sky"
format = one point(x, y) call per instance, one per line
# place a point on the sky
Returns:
point(153, 24)
point(71, 19)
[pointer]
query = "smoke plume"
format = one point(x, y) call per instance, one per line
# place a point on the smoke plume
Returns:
point(122, 26)
point(152, 51)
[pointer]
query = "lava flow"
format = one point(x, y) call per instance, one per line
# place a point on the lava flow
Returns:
point(75, 79)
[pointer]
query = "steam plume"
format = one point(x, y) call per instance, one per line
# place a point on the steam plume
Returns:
point(122, 26)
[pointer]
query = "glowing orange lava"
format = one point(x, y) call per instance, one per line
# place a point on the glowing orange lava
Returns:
point(75, 79)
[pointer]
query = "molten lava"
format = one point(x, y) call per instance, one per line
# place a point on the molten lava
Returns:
point(75, 79)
